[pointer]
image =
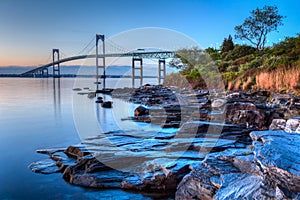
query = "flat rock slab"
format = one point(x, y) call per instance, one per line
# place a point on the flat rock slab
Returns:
point(46, 166)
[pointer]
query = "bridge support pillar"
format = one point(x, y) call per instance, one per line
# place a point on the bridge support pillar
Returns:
point(134, 68)
point(45, 72)
point(56, 66)
point(101, 37)
point(161, 70)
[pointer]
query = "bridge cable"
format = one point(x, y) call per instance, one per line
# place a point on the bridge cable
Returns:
point(80, 52)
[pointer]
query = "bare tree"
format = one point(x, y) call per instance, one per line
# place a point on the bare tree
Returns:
point(256, 27)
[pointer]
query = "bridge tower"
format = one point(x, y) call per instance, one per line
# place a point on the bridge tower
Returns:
point(97, 64)
point(55, 63)
point(161, 70)
point(134, 68)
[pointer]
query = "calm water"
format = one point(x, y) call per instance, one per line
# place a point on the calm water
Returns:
point(36, 113)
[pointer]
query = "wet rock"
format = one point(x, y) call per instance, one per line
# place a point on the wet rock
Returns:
point(156, 177)
point(99, 101)
point(76, 152)
point(106, 104)
point(89, 172)
point(91, 95)
point(141, 111)
point(76, 89)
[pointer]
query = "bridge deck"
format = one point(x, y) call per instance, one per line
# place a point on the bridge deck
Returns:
point(153, 54)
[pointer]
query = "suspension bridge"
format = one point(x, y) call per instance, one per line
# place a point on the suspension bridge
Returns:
point(109, 49)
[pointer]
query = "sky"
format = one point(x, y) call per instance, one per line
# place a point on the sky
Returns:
point(30, 29)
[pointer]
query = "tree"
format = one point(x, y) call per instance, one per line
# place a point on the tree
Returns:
point(189, 58)
point(214, 53)
point(227, 44)
point(256, 27)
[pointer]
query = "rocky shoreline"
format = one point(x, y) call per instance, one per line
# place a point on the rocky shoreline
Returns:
point(227, 145)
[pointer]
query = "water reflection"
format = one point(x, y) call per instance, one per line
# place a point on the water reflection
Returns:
point(56, 98)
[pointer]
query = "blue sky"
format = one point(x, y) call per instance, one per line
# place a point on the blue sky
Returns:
point(30, 29)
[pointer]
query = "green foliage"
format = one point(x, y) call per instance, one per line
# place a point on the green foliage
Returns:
point(257, 26)
point(257, 62)
point(229, 76)
point(194, 74)
point(250, 65)
point(215, 55)
point(238, 52)
point(232, 68)
point(223, 66)
point(289, 48)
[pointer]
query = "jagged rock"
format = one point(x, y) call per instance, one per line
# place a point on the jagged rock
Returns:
point(246, 114)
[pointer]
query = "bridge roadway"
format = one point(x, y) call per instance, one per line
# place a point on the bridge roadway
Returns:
point(149, 55)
